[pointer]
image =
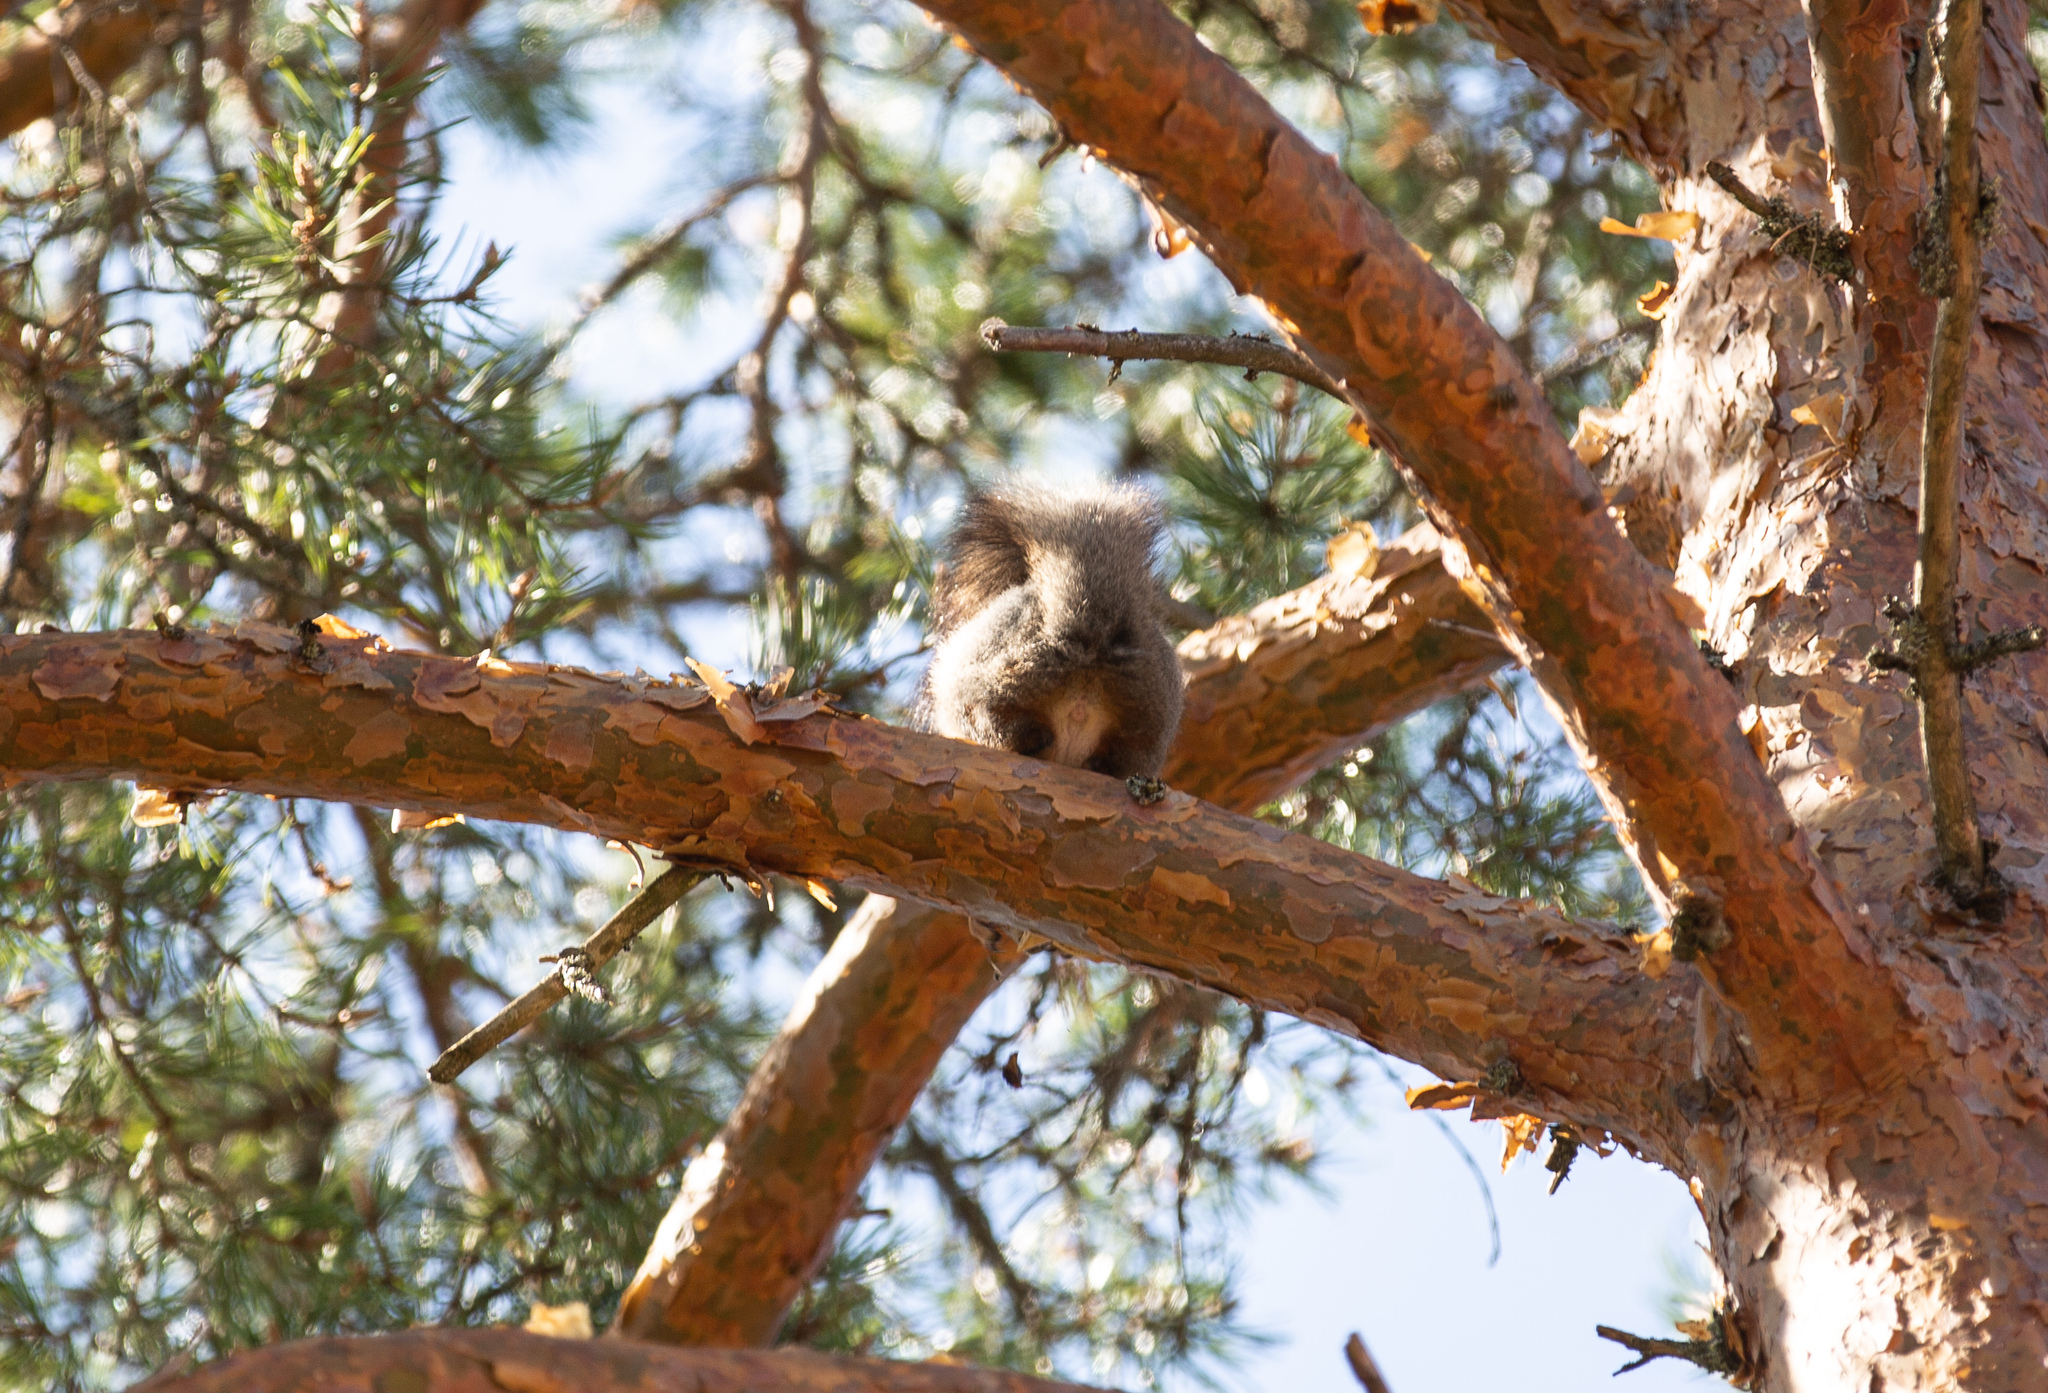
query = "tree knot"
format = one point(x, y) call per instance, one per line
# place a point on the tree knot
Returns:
point(1698, 927)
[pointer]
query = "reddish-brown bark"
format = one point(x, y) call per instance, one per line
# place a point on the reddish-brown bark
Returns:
point(512, 1361)
point(759, 1207)
point(1655, 727)
point(1272, 696)
point(105, 40)
point(1879, 1224)
point(1440, 973)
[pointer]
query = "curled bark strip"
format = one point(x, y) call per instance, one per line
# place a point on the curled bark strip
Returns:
point(1437, 972)
point(495, 1360)
point(1272, 696)
point(1530, 533)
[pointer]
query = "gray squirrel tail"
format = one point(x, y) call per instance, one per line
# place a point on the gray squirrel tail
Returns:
point(1086, 551)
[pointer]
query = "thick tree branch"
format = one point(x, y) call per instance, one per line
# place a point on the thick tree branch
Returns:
point(493, 1360)
point(1654, 727)
point(1438, 973)
point(760, 1206)
point(1287, 689)
point(1254, 355)
point(105, 40)
point(1866, 118)
point(1272, 696)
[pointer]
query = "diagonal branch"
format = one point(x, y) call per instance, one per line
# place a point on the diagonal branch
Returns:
point(574, 966)
point(1654, 728)
point(1272, 696)
point(1436, 972)
point(463, 1361)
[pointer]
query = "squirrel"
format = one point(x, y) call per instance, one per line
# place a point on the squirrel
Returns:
point(1049, 635)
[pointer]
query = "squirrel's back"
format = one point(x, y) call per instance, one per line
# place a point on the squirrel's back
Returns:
point(1050, 642)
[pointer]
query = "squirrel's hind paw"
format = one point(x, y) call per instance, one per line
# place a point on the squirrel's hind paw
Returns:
point(1145, 789)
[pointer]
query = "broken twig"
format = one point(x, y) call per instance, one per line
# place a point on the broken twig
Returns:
point(1713, 1355)
point(574, 971)
point(1362, 1367)
point(1805, 237)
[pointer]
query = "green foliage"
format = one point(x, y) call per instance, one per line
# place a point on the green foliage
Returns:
point(243, 379)
point(1278, 477)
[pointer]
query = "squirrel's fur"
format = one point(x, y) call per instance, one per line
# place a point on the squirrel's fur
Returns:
point(1049, 639)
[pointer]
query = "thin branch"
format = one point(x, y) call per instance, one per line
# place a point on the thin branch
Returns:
point(573, 972)
point(1712, 1355)
point(1805, 237)
point(1251, 352)
point(1924, 640)
point(1362, 1367)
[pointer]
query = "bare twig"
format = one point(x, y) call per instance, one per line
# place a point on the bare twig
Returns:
point(1250, 352)
point(1592, 353)
point(574, 968)
point(1805, 237)
point(1924, 644)
point(1362, 1367)
point(1713, 1355)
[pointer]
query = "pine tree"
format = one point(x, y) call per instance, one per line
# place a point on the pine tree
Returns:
point(263, 409)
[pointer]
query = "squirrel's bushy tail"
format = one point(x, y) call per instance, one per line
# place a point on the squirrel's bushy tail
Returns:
point(1081, 548)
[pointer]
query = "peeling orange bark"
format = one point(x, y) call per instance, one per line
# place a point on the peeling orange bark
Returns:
point(1655, 729)
point(1272, 696)
point(1437, 972)
point(512, 1361)
point(1287, 689)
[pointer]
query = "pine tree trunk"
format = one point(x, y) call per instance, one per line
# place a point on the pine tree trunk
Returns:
point(1894, 1235)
